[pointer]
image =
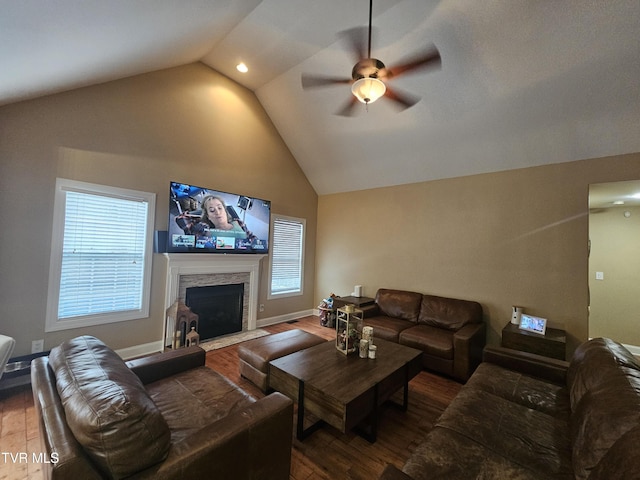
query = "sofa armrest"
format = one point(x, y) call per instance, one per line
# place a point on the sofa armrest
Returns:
point(392, 472)
point(529, 363)
point(154, 367)
point(369, 311)
point(253, 442)
point(468, 343)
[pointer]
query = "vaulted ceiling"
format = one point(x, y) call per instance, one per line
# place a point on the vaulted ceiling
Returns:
point(522, 82)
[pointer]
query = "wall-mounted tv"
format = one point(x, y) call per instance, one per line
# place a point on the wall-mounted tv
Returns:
point(203, 220)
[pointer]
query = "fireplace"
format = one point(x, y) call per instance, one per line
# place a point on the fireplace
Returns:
point(219, 308)
point(185, 271)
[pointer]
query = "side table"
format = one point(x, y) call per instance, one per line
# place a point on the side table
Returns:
point(359, 302)
point(328, 315)
point(552, 344)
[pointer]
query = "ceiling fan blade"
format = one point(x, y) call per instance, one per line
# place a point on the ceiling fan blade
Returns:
point(403, 99)
point(347, 109)
point(356, 39)
point(430, 58)
point(312, 81)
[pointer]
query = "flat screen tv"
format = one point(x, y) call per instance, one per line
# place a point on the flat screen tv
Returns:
point(202, 220)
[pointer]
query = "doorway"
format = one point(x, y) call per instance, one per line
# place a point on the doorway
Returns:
point(614, 262)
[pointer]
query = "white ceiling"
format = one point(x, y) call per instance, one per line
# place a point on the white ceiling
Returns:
point(522, 83)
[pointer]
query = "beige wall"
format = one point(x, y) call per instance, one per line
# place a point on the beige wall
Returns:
point(188, 124)
point(517, 237)
point(615, 251)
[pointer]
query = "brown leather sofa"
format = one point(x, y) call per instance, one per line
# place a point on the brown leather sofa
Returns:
point(528, 417)
point(450, 332)
point(164, 416)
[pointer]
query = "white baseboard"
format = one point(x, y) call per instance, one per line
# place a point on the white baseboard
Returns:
point(263, 322)
point(141, 350)
point(158, 346)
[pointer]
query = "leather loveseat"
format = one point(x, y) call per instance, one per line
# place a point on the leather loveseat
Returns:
point(450, 332)
point(529, 417)
point(160, 417)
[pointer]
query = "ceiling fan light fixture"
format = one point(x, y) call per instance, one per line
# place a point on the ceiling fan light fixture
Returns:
point(368, 89)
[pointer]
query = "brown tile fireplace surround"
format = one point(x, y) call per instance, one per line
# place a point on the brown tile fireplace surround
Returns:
point(186, 270)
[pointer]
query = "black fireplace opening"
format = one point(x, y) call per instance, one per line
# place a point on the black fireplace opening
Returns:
point(219, 309)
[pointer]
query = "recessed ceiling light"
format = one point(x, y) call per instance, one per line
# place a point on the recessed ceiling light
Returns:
point(241, 67)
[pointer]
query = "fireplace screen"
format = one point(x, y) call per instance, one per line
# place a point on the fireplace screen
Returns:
point(219, 308)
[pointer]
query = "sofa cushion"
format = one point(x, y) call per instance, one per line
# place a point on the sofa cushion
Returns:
point(196, 398)
point(525, 436)
point(399, 304)
point(431, 340)
point(447, 455)
point(528, 391)
point(107, 408)
point(448, 313)
point(386, 328)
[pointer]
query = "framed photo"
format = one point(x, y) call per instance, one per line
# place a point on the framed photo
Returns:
point(533, 324)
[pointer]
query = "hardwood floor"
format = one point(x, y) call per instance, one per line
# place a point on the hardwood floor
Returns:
point(326, 454)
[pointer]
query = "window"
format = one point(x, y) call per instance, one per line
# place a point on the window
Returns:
point(287, 256)
point(101, 250)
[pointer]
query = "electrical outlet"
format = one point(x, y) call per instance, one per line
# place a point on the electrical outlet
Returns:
point(262, 307)
point(599, 275)
point(37, 346)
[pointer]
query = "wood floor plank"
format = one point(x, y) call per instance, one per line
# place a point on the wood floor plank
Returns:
point(325, 455)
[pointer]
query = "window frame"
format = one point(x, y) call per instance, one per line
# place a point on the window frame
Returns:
point(63, 185)
point(290, 293)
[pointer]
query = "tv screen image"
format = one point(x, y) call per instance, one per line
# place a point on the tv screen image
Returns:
point(212, 221)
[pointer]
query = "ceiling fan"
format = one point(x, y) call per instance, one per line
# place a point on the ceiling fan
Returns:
point(369, 74)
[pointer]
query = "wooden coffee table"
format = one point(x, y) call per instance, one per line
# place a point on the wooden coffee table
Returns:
point(344, 391)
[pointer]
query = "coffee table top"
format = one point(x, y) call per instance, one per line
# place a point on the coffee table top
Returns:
point(345, 377)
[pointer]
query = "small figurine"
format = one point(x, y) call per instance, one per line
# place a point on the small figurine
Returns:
point(343, 339)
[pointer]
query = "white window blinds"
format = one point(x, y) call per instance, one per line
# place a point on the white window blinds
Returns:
point(287, 256)
point(101, 255)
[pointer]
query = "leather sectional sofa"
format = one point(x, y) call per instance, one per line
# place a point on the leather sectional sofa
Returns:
point(160, 417)
point(523, 416)
point(450, 332)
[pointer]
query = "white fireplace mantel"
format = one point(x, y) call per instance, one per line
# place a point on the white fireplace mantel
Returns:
point(179, 264)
